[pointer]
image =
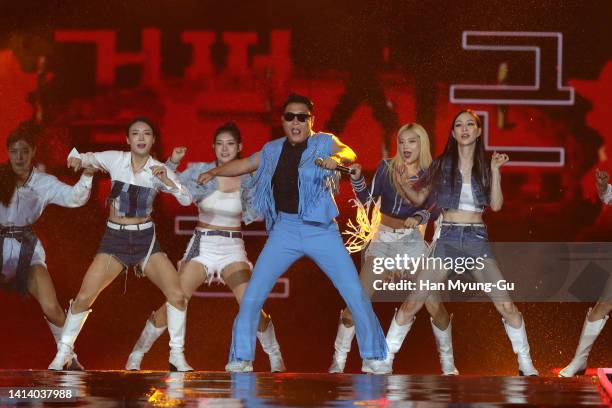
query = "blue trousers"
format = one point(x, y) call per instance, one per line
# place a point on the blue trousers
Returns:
point(290, 239)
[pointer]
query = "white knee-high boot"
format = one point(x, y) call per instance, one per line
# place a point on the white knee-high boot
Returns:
point(270, 345)
point(149, 335)
point(342, 346)
point(520, 346)
point(444, 342)
point(395, 337)
point(590, 331)
point(177, 320)
point(70, 331)
point(56, 331)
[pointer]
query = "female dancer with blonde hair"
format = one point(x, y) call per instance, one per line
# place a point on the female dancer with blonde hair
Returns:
point(398, 232)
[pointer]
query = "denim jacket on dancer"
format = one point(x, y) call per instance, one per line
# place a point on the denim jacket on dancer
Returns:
point(447, 197)
point(317, 185)
point(391, 202)
point(199, 192)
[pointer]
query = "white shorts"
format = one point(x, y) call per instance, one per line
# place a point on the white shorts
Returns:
point(216, 253)
point(10, 257)
point(388, 243)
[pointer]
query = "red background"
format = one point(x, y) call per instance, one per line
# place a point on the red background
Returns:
point(393, 64)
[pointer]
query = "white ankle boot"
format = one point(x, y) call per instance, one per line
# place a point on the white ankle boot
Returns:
point(70, 332)
point(342, 346)
point(395, 337)
point(270, 345)
point(590, 331)
point(56, 331)
point(241, 366)
point(444, 342)
point(176, 329)
point(520, 346)
point(149, 335)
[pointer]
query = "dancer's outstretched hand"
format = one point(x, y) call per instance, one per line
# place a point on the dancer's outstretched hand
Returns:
point(75, 163)
point(161, 173)
point(498, 160)
point(177, 154)
point(602, 179)
point(357, 168)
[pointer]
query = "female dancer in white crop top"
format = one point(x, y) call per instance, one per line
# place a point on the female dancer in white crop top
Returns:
point(216, 250)
point(129, 239)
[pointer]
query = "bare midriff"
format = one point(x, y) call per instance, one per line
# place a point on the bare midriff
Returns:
point(462, 216)
point(216, 227)
point(118, 219)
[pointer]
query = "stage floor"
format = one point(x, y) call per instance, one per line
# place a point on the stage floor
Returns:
point(156, 388)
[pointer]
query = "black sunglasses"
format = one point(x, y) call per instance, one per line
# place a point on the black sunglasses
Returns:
point(302, 117)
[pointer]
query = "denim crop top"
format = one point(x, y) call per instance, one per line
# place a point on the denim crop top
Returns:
point(447, 197)
point(391, 202)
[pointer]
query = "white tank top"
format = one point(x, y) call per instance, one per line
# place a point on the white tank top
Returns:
point(221, 209)
point(466, 199)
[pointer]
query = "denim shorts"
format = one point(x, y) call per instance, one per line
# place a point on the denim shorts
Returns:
point(129, 247)
point(463, 240)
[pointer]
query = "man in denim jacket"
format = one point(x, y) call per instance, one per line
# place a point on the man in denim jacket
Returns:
point(295, 197)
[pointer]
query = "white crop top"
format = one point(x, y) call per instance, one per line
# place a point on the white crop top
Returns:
point(466, 200)
point(221, 209)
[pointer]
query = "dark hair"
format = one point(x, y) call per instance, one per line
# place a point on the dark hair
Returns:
point(232, 129)
point(297, 98)
point(480, 169)
point(28, 132)
point(146, 120)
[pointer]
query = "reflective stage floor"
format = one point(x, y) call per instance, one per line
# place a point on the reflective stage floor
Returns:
point(204, 389)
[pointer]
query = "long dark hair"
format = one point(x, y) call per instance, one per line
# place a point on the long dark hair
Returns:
point(26, 131)
point(480, 170)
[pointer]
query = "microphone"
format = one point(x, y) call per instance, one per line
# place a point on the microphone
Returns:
point(340, 168)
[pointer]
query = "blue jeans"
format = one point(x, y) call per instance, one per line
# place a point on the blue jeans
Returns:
point(290, 239)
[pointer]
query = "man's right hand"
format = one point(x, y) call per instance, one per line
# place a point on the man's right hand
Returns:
point(206, 177)
point(357, 168)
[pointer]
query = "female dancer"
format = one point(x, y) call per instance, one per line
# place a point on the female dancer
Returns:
point(597, 316)
point(216, 250)
point(399, 228)
point(129, 239)
point(464, 185)
point(24, 194)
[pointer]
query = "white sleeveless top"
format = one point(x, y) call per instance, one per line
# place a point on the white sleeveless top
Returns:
point(466, 199)
point(221, 209)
